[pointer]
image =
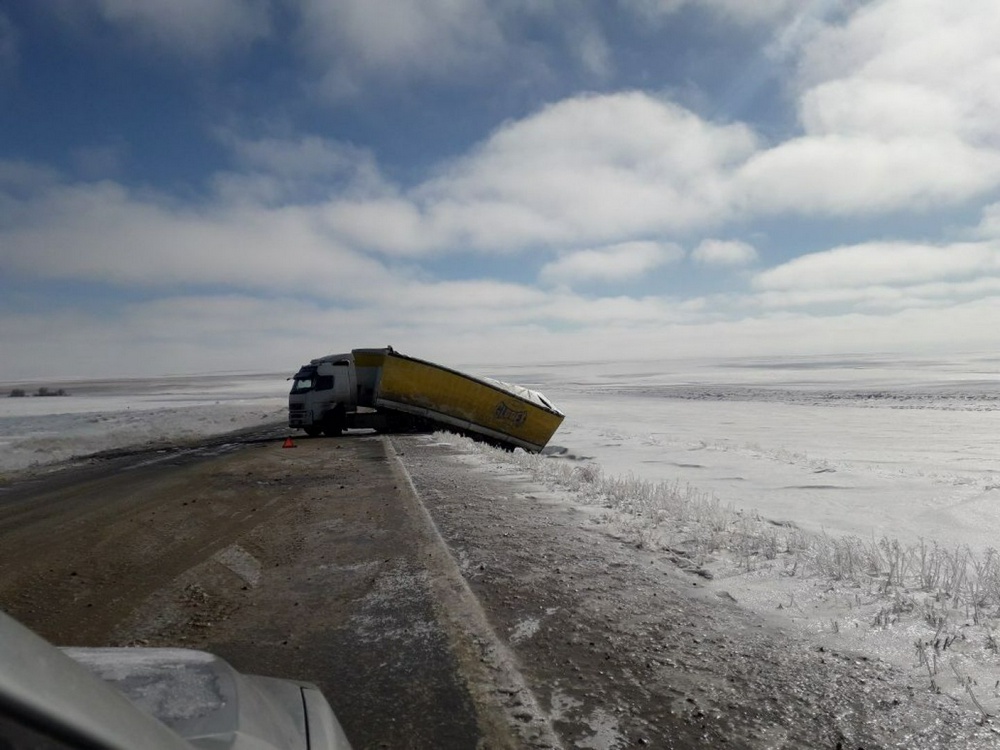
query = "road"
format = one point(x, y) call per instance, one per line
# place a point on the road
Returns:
point(301, 563)
point(436, 605)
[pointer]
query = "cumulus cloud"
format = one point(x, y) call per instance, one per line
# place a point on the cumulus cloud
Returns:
point(902, 67)
point(621, 262)
point(589, 169)
point(878, 109)
point(599, 169)
point(898, 111)
point(946, 48)
point(724, 253)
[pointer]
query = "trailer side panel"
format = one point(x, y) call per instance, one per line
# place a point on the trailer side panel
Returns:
point(447, 396)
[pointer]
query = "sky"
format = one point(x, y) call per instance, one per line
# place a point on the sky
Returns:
point(196, 186)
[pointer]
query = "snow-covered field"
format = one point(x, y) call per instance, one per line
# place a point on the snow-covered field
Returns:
point(100, 415)
point(898, 462)
point(866, 446)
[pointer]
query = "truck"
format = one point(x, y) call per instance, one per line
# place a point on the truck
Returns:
point(386, 391)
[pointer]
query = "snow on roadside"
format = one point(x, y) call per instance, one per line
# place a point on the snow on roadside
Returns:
point(108, 415)
point(54, 438)
point(936, 634)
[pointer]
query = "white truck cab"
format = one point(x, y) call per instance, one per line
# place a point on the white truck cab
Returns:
point(322, 394)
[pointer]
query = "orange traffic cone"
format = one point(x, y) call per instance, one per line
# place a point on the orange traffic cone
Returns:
point(289, 443)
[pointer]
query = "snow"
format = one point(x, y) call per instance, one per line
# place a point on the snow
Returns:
point(871, 450)
point(866, 446)
point(100, 415)
point(171, 684)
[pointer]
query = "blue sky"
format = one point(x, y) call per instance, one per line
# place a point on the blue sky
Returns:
point(205, 185)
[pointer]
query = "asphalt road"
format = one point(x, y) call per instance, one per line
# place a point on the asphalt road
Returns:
point(307, 563)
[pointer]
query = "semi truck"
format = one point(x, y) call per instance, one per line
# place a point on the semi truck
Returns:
point(386, 391)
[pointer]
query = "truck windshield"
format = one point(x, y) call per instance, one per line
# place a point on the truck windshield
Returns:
point(303, 385)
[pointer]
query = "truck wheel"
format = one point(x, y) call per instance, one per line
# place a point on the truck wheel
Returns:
point(312, 430)
point(333, 423)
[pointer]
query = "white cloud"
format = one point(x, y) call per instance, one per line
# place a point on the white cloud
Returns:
point(858, 175)
point(879, 297)
point(724, 253)
point(899, 111)
point(593, 170)
point(878, 108)
point(905, 66)
point(883, 277)
point(586, 170)
point(102, 232)
point(881, 263)
point(199, 28)
point(621, 262)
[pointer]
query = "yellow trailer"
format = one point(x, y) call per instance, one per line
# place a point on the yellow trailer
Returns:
point(488, 409)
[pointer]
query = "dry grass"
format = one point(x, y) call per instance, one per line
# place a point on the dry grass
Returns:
point(940, 584)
